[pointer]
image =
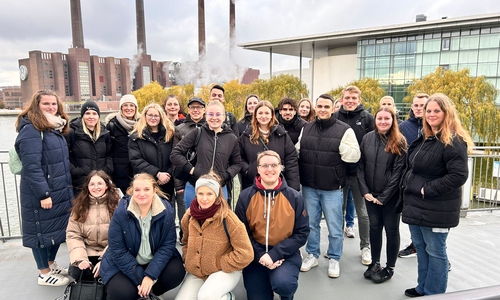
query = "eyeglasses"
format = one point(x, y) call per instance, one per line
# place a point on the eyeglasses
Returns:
point(214, 95)
point(153, 116)
point(99, 184)
point(196, 107)
point(266, 166)
point(217, 115)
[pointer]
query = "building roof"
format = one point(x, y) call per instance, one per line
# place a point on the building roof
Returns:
point(294, 45)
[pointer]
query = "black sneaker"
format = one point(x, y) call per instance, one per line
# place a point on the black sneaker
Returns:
point(374, 267)
point(409, 251)
point(412, 293)
point(382, 275)
point(449, 266)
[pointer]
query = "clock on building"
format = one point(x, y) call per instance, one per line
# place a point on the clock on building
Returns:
point(23, 72)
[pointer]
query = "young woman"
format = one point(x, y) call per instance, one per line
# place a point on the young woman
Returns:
point(217, 151)
point(120, 126)
point(173, 109)
point(150, 145)
point(141, 255)
point(87, 232)
point(45, 187)
point(89, 144)
point(306, 110)
point(216, 244)
point(383, 151)
point(432, 193)
point(266, 134)
point(250, 103)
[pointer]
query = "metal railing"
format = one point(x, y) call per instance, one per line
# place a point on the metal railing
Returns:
point(481, 192)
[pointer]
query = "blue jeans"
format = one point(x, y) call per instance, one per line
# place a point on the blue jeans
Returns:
point(261, 283)
point(432, 259)
point(44, 255)
point(351, 183)
point(190, 193)
point(349, 210)
point(327, 203)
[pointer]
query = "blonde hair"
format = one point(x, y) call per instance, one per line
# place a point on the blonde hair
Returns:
point(141, 124)
point(451, 125)
point(146, 177)
point(217, 103)
point(97, 130)
point(352, 89)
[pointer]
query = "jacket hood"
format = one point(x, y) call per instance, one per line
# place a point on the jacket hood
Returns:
point(285, 123)
point(23, 121)
point(157, 207)
point(283, 186)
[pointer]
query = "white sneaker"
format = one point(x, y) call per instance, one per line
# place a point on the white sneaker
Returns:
point(52, 279)
point(349, 232)
point(333, 268)
point(57, 269)
point(366, 256)
point(309, 262)
point(230, 296)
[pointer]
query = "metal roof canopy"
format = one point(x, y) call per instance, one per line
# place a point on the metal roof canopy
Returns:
point(303, 45)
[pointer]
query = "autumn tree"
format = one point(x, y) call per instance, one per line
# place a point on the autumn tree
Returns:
point(371, 92)
point(183, 92)
point(474, 98)
point(151, 93)
point(278, 87)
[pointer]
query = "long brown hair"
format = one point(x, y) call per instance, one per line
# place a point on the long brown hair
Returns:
point(312, 114)
point(451, 125)
point(396, 142)
point(35, 115)
point(81, 203)
point(256, 134)
point(245, 111)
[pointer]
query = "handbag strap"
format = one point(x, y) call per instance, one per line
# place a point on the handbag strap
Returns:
point(263, 144)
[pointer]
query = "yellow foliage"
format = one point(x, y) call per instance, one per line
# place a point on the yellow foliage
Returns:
point(474, 99)
point(151, 93)
point(371, 92)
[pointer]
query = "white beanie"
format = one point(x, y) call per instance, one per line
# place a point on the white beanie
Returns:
point(128, 98)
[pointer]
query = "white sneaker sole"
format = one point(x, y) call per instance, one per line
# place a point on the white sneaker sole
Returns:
point(302, 269)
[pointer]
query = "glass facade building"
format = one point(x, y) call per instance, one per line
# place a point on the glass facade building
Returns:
point(397, 60)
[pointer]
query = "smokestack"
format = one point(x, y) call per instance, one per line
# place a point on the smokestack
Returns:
point(201, 29)
point(76, 24)
point(141, 25)
point(232, 24)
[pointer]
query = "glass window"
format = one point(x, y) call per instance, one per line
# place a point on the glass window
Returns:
point(489, 41)
point(369, 73)
point(399, 48)
point(487, 69)
point(382, 62)
point(469, 42)
point(436, 35)
point(469, 56)
point(430, 59)
point(455, 43)
point(446, 34)
point(394, 39)
point(455, 33)
point(420, 37)
point(488, 55)
point(427, 36)
point(474, 31)
point(411, 47)
point(485, 30)
point(411, 38)
point(369, 50)
point(146, 75)
point(420, 47)
point(382, 73)
point(432, 45)
point(449, 57)
point(445, 44)
point(364, 42)
point(495, 29)
point(472, 68)
point(399, 60)
point(383, 49)
point(426, 70)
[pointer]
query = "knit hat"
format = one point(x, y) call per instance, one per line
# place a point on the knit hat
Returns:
point(128, 98)
point(90, 105)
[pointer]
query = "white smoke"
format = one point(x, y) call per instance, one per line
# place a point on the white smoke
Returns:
point(216, 66)
point(134, 63)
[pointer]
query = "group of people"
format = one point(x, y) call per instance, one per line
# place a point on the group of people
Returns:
point(296, 163)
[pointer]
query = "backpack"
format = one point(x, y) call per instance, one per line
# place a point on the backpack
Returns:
point(15, 164)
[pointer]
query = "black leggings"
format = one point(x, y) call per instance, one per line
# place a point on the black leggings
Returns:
point(384, 216)
point(121, 287)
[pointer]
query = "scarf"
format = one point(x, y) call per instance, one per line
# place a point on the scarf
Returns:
point(202, 214)
point(55, 122)
point(126, 123)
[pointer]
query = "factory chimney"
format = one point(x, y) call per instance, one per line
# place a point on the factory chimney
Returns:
point(232, 25)
point(201, 29)
point(76, 24)
point(141, 25)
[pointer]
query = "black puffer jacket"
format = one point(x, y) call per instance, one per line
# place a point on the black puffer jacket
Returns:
point(149, 156)
point(361, 121)
point(86, 155)
point(122, 169)
point(441, 170)
point(244, 124)
point(217, 151)
point(182, 129)
point(293, 127)
point(280, 142)
point(379, 172)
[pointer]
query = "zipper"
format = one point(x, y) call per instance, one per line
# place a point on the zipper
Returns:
point(215, 148)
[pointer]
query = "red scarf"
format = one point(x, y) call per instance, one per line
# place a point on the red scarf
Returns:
point(202, 214)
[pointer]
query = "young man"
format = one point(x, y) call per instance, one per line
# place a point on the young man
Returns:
point(288, 117)
point(217, 94)
point(325, 146)
point(361, 121)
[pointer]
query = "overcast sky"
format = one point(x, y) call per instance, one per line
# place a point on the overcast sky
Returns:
point(109, 26)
